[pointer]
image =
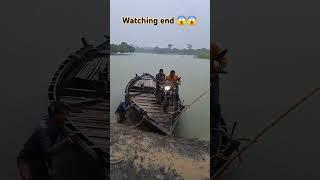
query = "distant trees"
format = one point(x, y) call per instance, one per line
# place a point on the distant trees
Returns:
point(122, 48)
point(125, 48)
point(170, 50)
point(189, 46)
point(202, 53)
point(156, 49)
point(114, 48)
point(131, 49)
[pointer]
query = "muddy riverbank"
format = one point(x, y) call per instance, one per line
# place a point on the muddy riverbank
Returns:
point(137, 154)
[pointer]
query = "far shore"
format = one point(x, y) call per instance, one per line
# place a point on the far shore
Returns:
point(198, 56)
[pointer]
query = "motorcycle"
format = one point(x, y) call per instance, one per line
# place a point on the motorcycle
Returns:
point(168, 95)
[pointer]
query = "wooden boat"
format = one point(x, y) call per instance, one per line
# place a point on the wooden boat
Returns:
point(80, 83)
point(140, 96)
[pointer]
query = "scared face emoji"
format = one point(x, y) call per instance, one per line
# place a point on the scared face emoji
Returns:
point(192, 20)
point(181, 20)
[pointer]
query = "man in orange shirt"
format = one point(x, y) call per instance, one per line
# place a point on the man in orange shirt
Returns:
point(176, 81)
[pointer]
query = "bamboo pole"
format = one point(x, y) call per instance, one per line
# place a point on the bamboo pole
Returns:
point(263, 131)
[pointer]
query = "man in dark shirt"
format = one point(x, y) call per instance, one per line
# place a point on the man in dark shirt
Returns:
point(160, 77)
point(35, 157)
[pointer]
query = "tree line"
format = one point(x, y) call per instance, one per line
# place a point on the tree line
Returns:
point(121, 48)
point(202, 53)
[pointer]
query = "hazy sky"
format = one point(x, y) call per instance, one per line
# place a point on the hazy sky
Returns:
point(148, 35)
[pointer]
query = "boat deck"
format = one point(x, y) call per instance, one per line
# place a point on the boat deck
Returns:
point(140, 95)
point(92, 122)
point(77, 84)
point(90, 71)
point(147, 102)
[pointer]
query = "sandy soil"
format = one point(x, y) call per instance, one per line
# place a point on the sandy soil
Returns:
point(137, 154)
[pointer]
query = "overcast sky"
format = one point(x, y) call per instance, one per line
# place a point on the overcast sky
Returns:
point(148, 35)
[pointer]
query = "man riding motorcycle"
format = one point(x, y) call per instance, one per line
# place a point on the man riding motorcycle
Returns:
point(175, 80)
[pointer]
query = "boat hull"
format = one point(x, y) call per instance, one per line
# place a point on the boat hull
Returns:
point(141, 98)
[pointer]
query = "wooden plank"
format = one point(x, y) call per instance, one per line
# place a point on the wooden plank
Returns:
point(140, 99)
point(104, 65)
point(87, 118)
point(159, 108)
point(98, 141)
point(84, 90)
point(144, 99)
point(95, 76)
point(168, 116)
point(73, 97)
point(142, 95)
point(98, 118)
point(90, 125)
point(161, 120)
point(87, 69)
point(93, 70)
point(79, 74)
point(146, 95)
point(157, 111)
point(94, 133)
point(97, 69)
point(89, 114)
point(91, 121)
point(159, 114)
point(87, 111)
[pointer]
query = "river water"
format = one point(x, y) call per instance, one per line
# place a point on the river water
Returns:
point(195, 123)
point(274, 59)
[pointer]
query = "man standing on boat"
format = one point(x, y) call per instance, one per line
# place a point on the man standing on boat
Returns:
point(34, 160)
point(176, 80)
point(160, 77)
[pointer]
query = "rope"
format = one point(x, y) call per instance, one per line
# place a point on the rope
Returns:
point(194, 101)
point(263, 131)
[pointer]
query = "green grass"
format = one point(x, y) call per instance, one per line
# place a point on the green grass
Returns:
point(202, 55)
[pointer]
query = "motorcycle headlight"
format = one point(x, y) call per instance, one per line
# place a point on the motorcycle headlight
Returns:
point(167, 88)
